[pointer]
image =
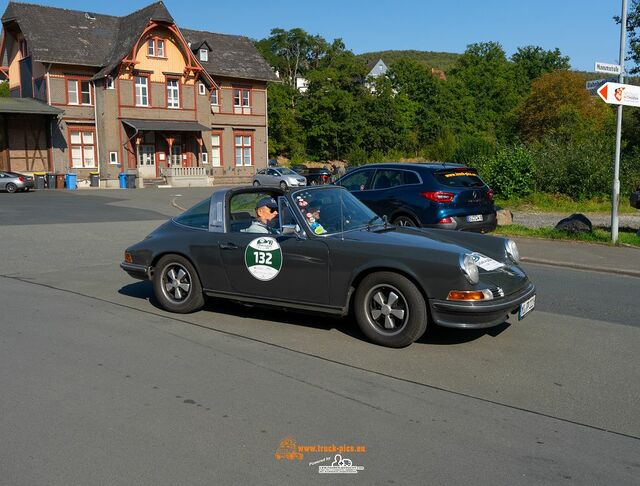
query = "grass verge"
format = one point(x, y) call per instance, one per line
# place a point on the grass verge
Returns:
point(558, 203)
point(598, 236)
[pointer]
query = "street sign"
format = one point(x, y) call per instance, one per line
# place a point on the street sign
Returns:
point(602, 67)
point(620, 94)
point(593, 85)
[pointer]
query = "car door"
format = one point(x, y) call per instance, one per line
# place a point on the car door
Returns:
point(357, 183)
point(383, 197)
point(273, 178)
point(260, 176)
point(275, 266)
point(3, 180)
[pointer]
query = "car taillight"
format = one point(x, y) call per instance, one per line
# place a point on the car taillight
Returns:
point(445, 221)
point(21, 179)
point(438, 196)
point(490, 195)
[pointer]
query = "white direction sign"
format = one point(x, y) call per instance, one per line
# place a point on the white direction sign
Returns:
point(603, 67)
point(620, 94)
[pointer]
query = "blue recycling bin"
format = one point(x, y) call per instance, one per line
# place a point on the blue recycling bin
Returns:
point(123, 180)
point(71, 181)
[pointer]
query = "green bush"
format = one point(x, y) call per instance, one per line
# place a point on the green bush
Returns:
point(472, 148)
point(357, 156)
point(508, 172)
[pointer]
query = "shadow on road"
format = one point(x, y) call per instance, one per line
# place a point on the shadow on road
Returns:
point(435, 335)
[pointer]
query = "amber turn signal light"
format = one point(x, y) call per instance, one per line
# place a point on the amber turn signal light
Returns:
point(466, 295)
point(127, 257)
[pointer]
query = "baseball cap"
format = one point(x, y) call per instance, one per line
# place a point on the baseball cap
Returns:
point(268, 202)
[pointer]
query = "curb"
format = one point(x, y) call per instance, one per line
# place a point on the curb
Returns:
point(578, 266)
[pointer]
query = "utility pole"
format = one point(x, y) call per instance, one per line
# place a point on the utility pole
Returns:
point(615, 196)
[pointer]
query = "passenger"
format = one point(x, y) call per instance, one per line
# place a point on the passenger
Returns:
point(313, 218)
point(266, 211)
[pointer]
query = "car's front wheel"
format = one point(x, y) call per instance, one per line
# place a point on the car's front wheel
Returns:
point(283, 185)
point(390, 309)
point(176, 285)
point(11, 188)
point(256, 184)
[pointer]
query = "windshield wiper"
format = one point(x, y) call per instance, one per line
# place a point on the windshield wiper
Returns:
point(370, 222)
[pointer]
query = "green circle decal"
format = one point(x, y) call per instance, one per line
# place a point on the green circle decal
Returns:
point(263, 258)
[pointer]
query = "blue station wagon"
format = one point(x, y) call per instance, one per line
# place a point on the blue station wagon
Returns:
point(449, 196)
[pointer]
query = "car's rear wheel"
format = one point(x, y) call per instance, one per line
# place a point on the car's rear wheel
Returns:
point(283, 185)
point(11, 188)
point(256, 184)
point(404, 221)
point(177, 286)
point(390, 309)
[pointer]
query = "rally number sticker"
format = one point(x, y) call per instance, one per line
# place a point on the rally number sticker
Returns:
point(263, 258)
point(485, 262)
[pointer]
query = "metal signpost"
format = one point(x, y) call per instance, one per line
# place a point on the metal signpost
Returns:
point(619, 94)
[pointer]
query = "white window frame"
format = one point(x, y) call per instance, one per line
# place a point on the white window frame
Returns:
point(204, 55)
point(113, 158)
point(75, 92)
point(160, 48)
point(241, 149)
point(216, 150)
point(202, 90)
point(151, 48)
point(83, 92)
point(243, 95)
point(142, 91)
point(110, 83)
point(173, 93)
point(83, 148)
point(205, 157)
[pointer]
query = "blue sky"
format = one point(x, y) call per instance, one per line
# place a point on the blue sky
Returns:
point(581, 29)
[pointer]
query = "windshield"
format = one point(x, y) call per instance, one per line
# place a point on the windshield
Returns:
point(334, 210)
point(287, 172)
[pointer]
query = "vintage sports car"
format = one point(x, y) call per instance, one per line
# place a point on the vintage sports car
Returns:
point(321, 249)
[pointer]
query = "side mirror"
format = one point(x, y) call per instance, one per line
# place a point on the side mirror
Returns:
point(293, 229)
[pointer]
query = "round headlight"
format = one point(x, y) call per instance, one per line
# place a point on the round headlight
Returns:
point(469, 268)
point(512, 250)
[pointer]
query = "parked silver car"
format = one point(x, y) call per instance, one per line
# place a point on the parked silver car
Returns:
point(279, 176)
point(12, 182)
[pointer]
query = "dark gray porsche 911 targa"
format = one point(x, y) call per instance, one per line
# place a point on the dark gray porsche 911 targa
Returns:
point(320, 249)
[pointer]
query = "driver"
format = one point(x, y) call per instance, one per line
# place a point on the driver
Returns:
point(266, 211)
point(312, 214)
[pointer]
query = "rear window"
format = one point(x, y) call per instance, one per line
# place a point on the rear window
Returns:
point(197, 216)
point(463, 177)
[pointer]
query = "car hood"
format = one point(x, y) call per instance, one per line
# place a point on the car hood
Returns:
point(507, 276)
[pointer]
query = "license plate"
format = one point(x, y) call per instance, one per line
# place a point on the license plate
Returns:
point(526, 307)
point(474, 218)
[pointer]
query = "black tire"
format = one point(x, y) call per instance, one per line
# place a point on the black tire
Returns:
point(177, 292)
point(283, 186)
point(11, 188)
point(394, 322)
point(403, 220)
point(256, 184)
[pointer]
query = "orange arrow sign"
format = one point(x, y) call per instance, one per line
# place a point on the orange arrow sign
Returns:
point(604, 91)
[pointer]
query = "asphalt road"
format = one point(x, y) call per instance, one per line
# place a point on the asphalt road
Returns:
point(99, 386)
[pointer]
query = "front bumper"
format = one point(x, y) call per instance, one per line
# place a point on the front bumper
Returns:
point(478, 315)
point(141, 272)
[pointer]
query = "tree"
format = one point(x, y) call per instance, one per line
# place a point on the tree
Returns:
point(4, 88)
point(559, 103)
point(533, 61)
point(485, 89)
point(633, 32)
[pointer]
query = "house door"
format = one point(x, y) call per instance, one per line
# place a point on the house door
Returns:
point(147, 161)
point(175, 159)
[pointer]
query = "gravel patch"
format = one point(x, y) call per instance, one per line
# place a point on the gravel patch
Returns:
point(549, 220)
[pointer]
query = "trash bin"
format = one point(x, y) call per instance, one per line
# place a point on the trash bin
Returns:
point(38, 178)
point(51, 180)
point(60, 181)
point(94, 178)
point(131, 181)
point(71, 181)
point(123, 180)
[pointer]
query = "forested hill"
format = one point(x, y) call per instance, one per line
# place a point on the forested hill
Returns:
point(438, 60)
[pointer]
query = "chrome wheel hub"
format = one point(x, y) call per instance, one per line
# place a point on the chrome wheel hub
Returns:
point(387, 309)
point(176, 283)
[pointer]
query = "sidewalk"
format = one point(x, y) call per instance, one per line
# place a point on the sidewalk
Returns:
point(588, 256)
